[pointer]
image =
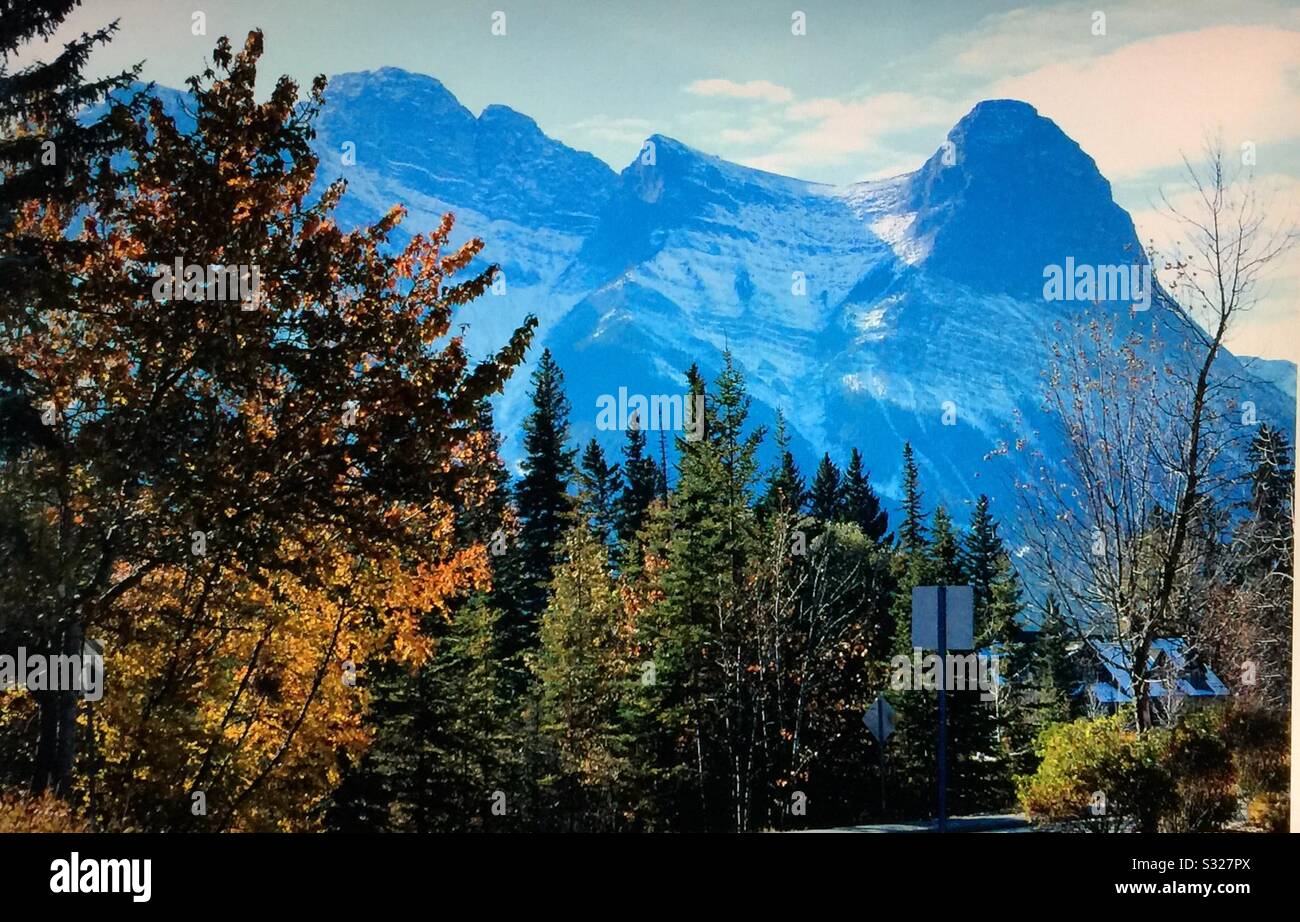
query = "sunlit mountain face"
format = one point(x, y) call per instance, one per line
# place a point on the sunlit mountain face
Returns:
point(911, 308)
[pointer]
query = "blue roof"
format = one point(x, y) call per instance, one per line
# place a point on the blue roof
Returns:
point(1167, 654)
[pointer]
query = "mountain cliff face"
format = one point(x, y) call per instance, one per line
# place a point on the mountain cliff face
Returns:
point(910, 308)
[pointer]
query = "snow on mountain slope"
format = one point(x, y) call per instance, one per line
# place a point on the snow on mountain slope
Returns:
point(910, 308)
point(398, 137)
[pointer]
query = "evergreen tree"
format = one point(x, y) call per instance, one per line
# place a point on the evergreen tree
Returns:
point(981, 550)
point(663, 459)
point(598, 493)
point(640, 485)
point(944, 550)
point(482, 520)
point(48, 151)
point(785, 488)
point(1268, 531)
point(696, 627)
point(861, 504)
point(1052, 677)
point(824, 497)
point(542, 501)
point(445, 739)
point(585, 668)
point(1001, 730)
point(911, 534)
point(1264, 563)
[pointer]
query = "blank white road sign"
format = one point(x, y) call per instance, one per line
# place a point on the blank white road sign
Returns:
point(959, 615)
point(879, 719)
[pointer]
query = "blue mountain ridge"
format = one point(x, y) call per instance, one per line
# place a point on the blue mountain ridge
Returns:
point(868, 314)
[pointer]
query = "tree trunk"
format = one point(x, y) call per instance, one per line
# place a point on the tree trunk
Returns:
point(56, 749)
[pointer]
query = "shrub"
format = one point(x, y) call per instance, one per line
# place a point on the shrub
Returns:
point(47, 813)
point(1261, 755)
point(1101, 773)
point(1190, 778)
point(1205, 782)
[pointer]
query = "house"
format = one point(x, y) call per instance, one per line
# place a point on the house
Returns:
point(1177, 675)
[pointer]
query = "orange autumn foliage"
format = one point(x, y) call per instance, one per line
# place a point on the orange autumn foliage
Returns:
point(244, 501)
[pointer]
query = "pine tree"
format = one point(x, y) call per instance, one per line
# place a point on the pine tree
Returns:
point(482, 520)
point(1052, 677)
point(1263, 557)
point(695, 628)
point(785, 490)
point(598, 490)
point(446, 738)
point(585, 669)
point(640, 485)
point(1003, 730)
point(824, 497)
point(944, 550)
point(911, 534)
point(48, 151)
point(861, 504)
point(542, 501)
point(1272, 489)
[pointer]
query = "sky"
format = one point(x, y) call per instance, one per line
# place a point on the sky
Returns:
point(828, 90)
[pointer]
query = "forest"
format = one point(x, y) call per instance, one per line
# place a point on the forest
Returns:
point(325, 603)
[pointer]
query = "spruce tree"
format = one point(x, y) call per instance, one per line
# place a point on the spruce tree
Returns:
point(445, 738)
point(944, 550)
point(861, 504)
point(640, 485)
point(1267, 532)
point(585, 668)
point(697, 627)
point(785, 490)
point(824, 497)
point(598, 493)
point(911, 534)
point(1001, 730)
point(1263, 552)
point(542, 500)
point(482, 521)
point(49, 152)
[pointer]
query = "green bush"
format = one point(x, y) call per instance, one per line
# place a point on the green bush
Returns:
point(1100, 773)
point(1190, 778)
point(1205, 780)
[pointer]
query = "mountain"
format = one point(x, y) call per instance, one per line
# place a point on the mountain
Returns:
point(1278, 372)
point(910, 308)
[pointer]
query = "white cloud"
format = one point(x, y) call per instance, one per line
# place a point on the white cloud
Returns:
point(618, 130)
point(832, 131)
point(1022, 40)
point(760, 90)
point(759, 132)
point(1139, 108)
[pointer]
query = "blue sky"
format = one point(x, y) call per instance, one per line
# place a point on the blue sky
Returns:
point(870, 88)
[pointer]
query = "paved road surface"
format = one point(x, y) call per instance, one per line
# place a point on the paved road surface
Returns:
point(1009, 822)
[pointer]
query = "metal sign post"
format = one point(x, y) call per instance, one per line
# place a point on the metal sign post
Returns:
point(943, 619)
point(879, 719)
point(943, 707)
